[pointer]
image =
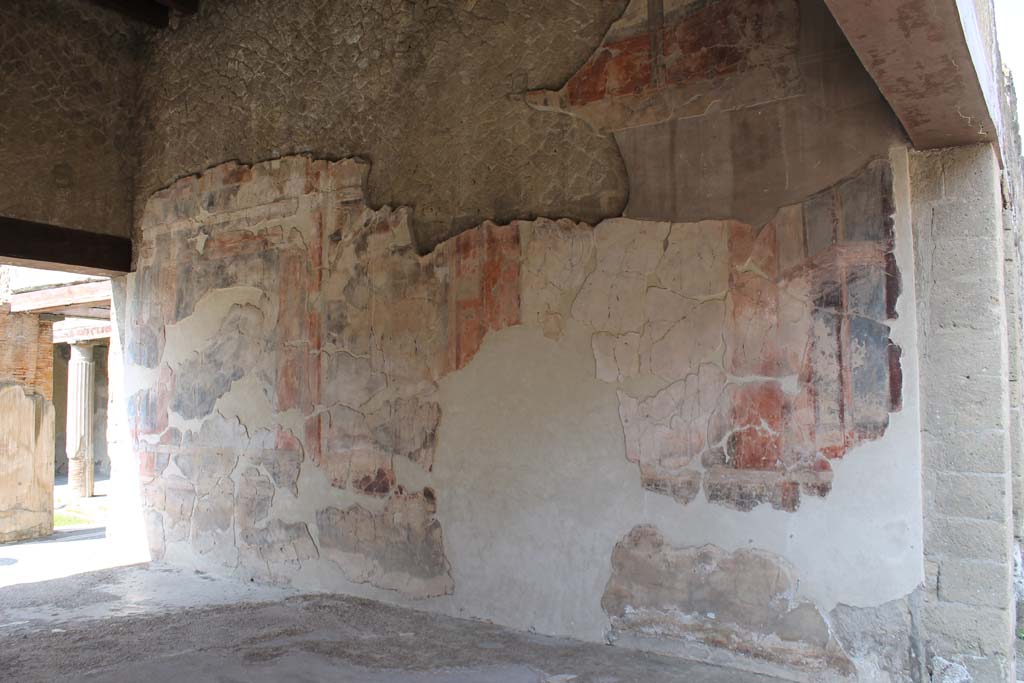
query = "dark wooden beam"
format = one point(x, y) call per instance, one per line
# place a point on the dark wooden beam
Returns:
point(39, 245)
point(145, 11)
point(183, 6)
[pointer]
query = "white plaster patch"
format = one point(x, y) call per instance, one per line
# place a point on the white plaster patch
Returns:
point(198, 329)
point(530, 445)
point(535, 488)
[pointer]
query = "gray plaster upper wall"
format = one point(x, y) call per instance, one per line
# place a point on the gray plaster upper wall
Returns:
point(426, 91)
point(743, 106)
point(747, 162)
point(68, 81)
point(432, 98)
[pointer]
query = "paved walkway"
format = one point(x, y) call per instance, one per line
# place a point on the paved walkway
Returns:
point(155, 624)
point(68, 551)
point(75, 548)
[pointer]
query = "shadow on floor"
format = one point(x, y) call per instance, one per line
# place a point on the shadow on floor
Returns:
point(156, 623)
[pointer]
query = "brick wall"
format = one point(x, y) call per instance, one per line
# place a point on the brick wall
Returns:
point(26, 353)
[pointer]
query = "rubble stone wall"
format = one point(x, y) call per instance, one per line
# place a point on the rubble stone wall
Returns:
point(68, 99)
point(431, 92)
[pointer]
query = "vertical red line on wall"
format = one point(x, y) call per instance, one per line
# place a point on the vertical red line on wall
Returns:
point(314, 325)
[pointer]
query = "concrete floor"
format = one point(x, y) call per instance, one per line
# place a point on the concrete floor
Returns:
point(154, 624)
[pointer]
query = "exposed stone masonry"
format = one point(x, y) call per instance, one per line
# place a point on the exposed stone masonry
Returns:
point(428, 91)
point(967, 441)
point(26, 425)
point(68, 96)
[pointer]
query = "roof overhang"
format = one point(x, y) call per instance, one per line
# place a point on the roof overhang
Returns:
point(934, 61)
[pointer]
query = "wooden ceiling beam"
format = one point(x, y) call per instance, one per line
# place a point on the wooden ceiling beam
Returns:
point(38, 245)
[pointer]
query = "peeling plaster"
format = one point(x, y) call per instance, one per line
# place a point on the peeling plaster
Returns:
point(530, 440)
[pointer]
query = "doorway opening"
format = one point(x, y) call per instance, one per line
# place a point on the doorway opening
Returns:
point(57, 492)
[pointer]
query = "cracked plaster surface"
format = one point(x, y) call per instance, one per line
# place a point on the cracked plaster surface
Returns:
point(746, 357)
point(745, 360)
point(340, 329)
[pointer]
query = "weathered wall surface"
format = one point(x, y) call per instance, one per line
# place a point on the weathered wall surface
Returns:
point(531, 421)
point(553, 450)
point(1013, 226)
point(67, 101)
point(310, 403)
point(26, 426)
point(431, 93)
point(968, 534)
point(26, 464)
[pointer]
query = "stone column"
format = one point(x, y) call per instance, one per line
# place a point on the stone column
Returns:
point(81, 380)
